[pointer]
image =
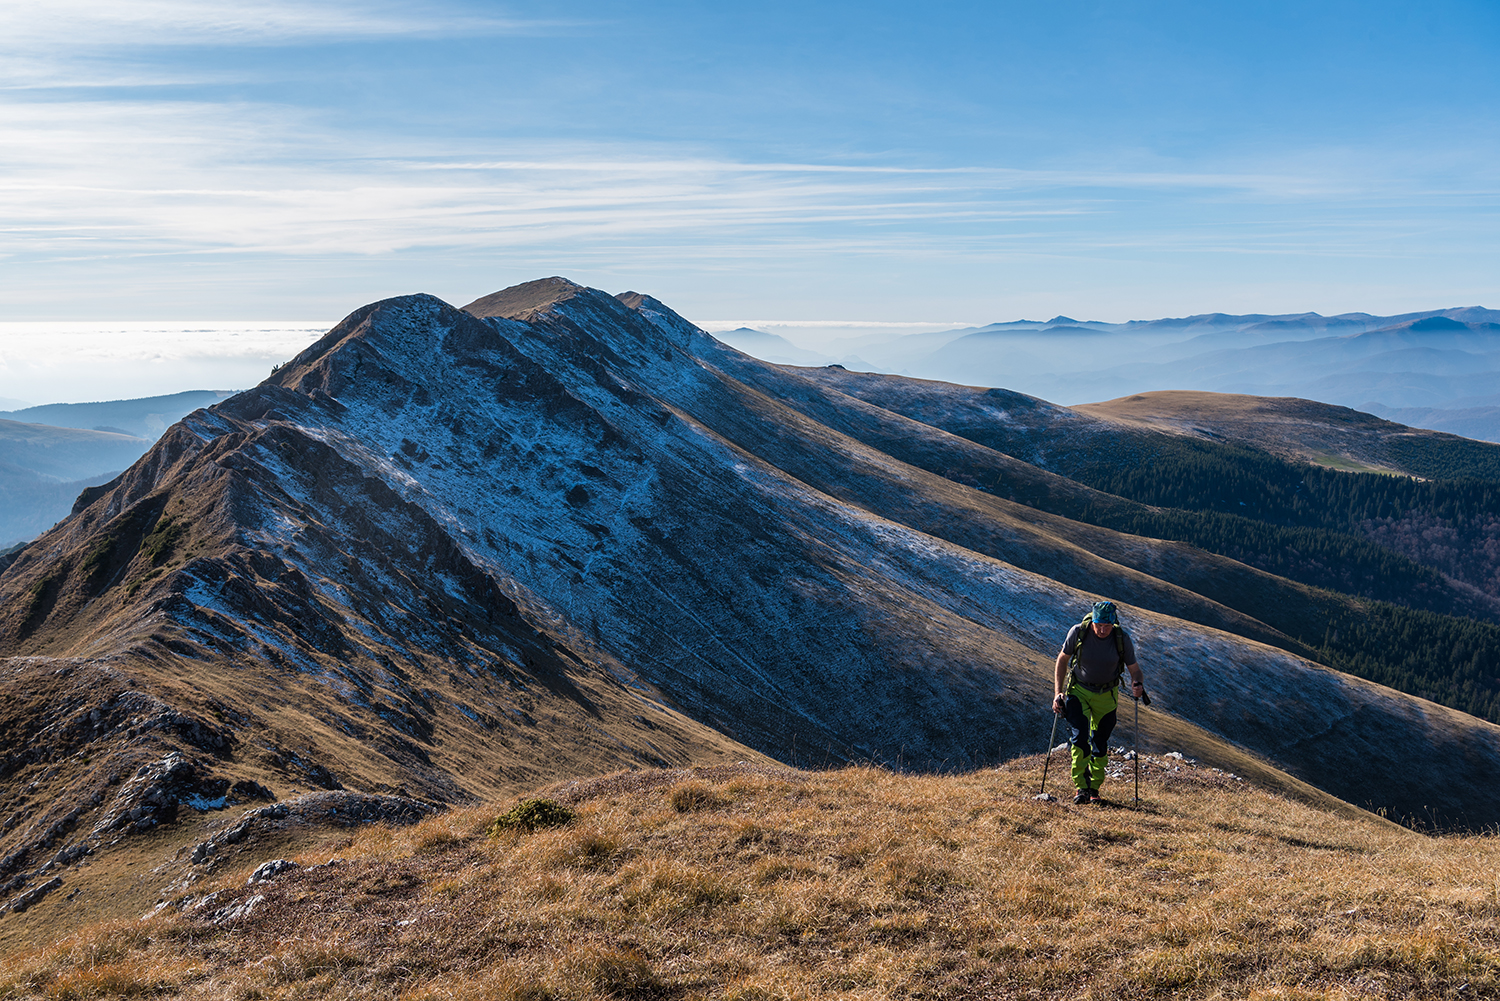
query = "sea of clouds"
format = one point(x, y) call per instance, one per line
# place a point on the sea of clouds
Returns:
point(90, 361)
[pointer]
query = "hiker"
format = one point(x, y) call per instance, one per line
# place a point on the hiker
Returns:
point(1095, 654)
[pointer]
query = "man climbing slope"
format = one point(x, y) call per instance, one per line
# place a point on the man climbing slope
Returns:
point(1095, 654)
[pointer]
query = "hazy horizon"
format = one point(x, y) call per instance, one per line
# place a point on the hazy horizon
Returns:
point(48, 362)
point(84, 362)
point(80, 361)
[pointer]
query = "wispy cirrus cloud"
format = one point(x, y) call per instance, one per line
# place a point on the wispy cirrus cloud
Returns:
point(133, 177)
point(74, 24)
point(158, 177)
point(112, 180)
point(72, 44)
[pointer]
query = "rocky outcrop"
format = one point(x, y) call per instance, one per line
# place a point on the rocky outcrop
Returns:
point(21, 902)
point(336, 809)
point(269, 870)
point(153, 795)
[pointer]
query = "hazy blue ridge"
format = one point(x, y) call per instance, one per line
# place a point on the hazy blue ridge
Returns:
point(147, 417)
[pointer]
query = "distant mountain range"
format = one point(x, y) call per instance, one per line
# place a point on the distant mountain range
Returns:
point(1437, 369)
point(49, 453)
point(145, 418)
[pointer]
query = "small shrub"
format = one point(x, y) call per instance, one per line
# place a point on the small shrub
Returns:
point(530, 814)
point(158, 546)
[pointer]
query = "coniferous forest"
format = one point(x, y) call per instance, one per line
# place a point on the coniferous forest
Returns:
point(1318, 526)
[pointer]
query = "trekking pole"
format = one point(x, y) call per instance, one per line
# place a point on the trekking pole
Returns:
point(1048, 759)
point(1136, 739)
point(1052, 741)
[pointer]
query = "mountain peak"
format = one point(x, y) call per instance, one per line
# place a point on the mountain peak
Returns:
point(403, 333)
point(528, 297)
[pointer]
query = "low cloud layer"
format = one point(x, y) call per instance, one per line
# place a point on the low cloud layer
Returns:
point(72, 362)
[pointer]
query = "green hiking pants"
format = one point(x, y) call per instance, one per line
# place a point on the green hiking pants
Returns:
point(1091, 717)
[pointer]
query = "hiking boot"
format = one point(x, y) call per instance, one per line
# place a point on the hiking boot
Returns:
point(1094, 796)
point(1082, 797)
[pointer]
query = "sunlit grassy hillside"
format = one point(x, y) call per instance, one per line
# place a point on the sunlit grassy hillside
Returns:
point(753, 882)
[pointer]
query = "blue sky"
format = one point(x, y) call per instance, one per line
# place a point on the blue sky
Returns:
point(942, 162)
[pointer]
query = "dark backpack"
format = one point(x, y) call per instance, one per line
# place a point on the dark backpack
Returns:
point(1083, 631)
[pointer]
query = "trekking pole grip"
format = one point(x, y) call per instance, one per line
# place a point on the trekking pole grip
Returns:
point(1144, 697)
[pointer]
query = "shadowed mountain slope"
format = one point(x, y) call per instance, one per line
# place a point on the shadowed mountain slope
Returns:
point(451, 553)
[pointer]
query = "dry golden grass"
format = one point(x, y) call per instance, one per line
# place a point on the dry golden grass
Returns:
point(754, 884)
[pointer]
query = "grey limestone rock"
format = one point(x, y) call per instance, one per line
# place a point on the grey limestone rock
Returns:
point(31, 896)
point(270, 870)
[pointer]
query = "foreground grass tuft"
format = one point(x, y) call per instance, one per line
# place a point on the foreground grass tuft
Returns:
point(757, 884)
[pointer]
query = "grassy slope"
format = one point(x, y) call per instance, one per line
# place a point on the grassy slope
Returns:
point(1307, 431)
point(1061, 437)
point(127, 876)
point(746, 882)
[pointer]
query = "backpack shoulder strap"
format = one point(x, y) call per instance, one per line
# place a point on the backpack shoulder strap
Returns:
point(1082, 632)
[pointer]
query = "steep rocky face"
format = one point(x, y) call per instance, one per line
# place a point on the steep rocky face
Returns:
point(560, 531)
